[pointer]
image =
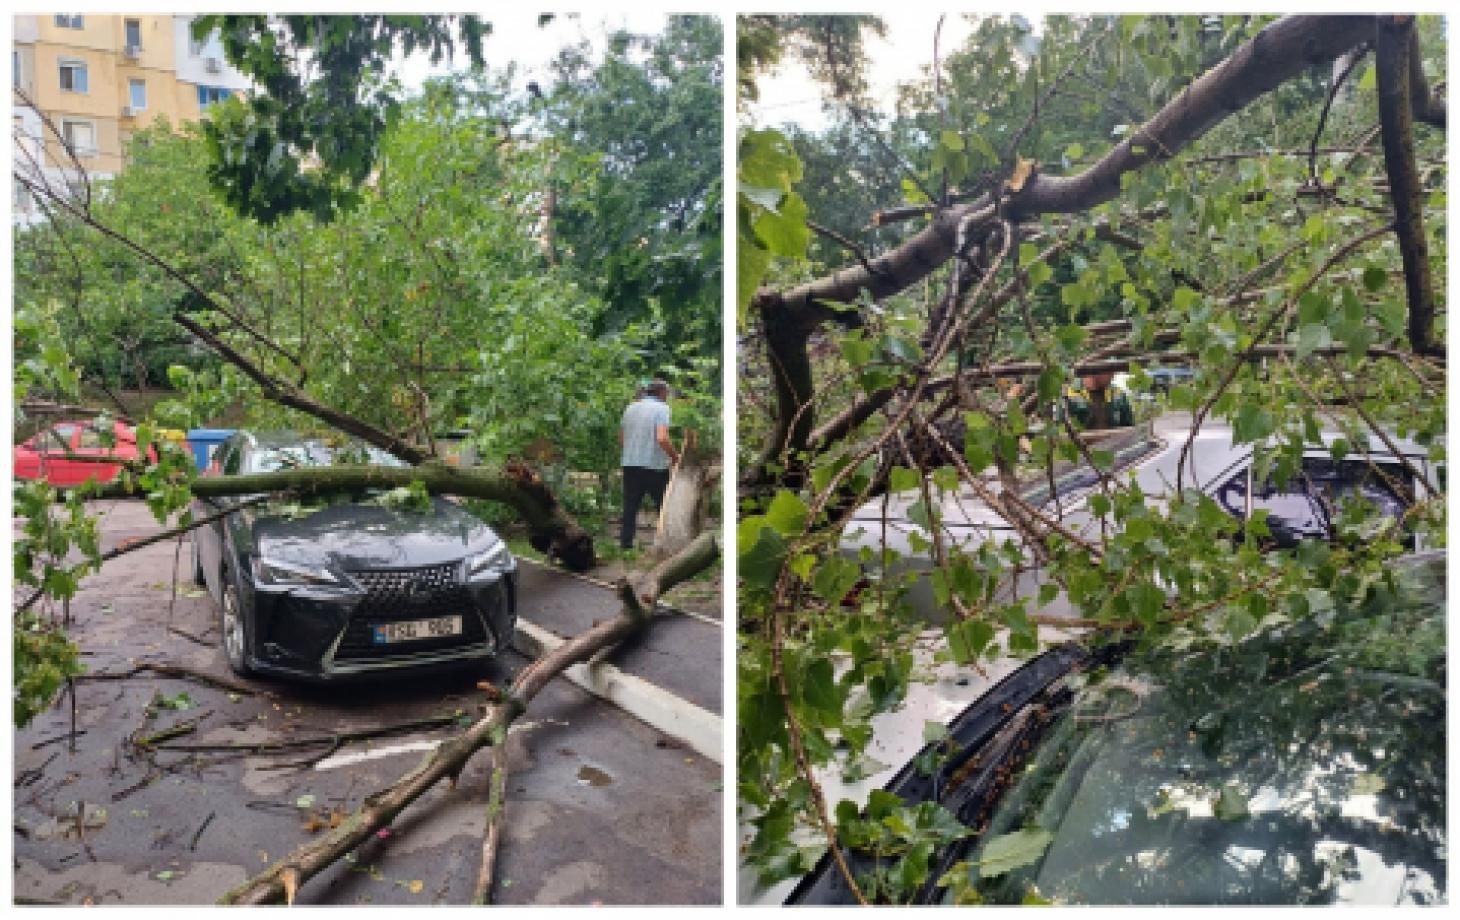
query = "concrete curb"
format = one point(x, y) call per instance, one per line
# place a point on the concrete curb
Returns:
point(702, 730)
point(610, 586)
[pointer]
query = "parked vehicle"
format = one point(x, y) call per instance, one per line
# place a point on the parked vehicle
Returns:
point(1150, 453)
point(356, 586)
point(1162, 381)
point(1305, 764)
point(203, 441)
point(68, 453)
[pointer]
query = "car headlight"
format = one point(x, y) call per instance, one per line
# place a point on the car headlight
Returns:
point(494, 560)
point(274, 572)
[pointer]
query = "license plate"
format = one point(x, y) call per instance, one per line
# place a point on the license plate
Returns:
point(434, 628)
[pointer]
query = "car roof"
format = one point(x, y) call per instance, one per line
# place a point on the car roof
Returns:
point(1212, 455)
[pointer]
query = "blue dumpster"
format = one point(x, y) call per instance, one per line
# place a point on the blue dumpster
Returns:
point(203, 441)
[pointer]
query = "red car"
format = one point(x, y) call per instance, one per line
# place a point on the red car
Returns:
point(55, 453)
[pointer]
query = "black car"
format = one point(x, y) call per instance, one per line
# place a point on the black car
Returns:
point(357, 585)
point(1305, 764)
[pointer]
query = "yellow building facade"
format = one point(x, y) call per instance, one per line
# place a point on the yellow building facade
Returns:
point(96, 79)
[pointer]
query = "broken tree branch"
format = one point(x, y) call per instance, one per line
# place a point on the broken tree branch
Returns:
point(1278, 53)
point(1394, 46)
point(516, 486)
point(279, 881)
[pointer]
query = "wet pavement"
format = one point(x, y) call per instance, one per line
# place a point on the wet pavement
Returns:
point(601, 807)
point(682, 653)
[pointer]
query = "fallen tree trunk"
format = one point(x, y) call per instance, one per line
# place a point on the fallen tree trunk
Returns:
point(281, 880)
point(686, 499)
point(550, 527)
point(1278, 53)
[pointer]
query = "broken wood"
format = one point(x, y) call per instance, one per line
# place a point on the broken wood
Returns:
point(172, 670)
point(686, 499)
point(492, 836)
point(334, 740)
point(277, 883)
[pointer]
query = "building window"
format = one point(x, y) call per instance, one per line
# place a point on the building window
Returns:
point(195, 48)
point(134, 33)
point(73, 76)
point(68, 21)
point(80, 137)
point(20, 199)
point(137, 94)
point(207, 95)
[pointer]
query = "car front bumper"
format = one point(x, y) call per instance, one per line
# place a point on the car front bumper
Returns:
point(328, 635)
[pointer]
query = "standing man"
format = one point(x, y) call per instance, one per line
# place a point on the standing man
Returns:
point(647, 453)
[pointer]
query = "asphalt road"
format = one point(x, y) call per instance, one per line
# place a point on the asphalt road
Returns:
point(601, 808)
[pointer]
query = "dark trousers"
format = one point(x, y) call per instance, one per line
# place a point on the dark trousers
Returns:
point(639, 481)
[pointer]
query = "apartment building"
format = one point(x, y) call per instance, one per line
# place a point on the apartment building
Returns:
point(97, 79)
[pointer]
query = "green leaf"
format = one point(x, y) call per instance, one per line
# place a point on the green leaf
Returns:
point(902, 479)
point(912, 870)
point(818, 686)
point(1184, 298)
point(1375, 278)
point(1230, 804)
point(1310, 339)
point(856, 349)
point(1013, 851)
point(967, 639)
point(787, 513)
point(760, 550)
point(1253, 423)
point(835, 577)
point(784, 232)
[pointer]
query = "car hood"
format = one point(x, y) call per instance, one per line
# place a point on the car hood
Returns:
point(362, 535)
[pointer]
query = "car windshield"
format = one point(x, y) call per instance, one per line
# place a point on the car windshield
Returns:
point(272, 459)
point(1305, 765)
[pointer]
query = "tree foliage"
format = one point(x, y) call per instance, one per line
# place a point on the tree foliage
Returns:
point(637, 187)
point(1077, 200)
point(430, 305)
point(310, 137)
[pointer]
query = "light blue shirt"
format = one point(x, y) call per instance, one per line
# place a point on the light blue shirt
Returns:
point(640, 421)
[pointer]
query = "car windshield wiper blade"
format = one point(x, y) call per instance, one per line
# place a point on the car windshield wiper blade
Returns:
point(988, 732)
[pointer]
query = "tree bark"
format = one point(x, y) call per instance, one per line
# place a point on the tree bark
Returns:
point(686, 499)
point(1427, 104)
point(1394, 50)
point(638, 593)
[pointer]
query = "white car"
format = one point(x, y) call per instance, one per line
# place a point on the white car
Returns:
point(1150, 453)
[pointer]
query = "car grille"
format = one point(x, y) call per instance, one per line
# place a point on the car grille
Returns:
point(407, 584)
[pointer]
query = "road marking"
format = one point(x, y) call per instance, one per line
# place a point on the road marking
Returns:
point(351, 758)
point(699, 728)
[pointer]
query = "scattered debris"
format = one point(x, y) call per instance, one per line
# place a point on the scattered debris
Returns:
point(199, 832)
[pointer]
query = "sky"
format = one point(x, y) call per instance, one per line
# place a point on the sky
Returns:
point(516, 37)
point(789, 95)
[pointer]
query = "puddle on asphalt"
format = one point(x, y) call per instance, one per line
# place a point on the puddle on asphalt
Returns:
point(592, 776)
